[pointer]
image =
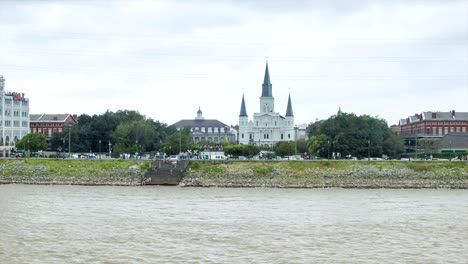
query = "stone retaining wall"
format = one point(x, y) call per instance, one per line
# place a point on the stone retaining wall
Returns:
point(360, 176)
point(20, 172)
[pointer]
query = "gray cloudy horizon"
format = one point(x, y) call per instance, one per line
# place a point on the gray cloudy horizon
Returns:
point(165, 59)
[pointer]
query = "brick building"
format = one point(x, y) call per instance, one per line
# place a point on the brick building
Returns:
point(430, 126)
point(48, 124)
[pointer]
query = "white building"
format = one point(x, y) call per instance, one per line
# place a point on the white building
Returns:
point(14, 123)
point(207, 130)
point(267, 127)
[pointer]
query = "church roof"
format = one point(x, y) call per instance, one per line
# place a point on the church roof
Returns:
point(289, 111)
point(243, 111)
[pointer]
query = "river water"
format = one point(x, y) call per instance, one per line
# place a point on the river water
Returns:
point(154, 224)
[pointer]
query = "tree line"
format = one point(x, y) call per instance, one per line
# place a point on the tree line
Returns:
point(127, 131)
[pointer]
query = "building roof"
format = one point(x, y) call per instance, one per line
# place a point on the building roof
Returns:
point(454, 140)
point(289, 111)
point(451, 115)
point(435, 116)
point(199, 123)
point(59, 118)
point(243, 111)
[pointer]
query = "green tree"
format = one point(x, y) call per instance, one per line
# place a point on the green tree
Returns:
point(32, 142)
point(285, 148)
point(179, 140)
point(234, 150)
point(317, 145)
point(355, 135)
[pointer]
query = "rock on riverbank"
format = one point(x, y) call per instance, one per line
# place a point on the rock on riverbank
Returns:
point(325, 174)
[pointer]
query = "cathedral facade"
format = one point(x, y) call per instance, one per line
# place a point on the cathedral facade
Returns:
point(267, 126)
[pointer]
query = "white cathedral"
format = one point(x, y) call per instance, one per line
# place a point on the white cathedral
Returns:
point(267, 127)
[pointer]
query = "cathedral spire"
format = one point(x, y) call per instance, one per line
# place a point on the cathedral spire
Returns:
point(289, 111)
point(243, 111)
point(266, 91)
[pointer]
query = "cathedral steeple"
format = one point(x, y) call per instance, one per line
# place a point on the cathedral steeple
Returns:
point(243, 111)
point(289, 111)
point(266, 87)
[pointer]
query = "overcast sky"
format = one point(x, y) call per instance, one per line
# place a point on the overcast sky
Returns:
point(165, 59)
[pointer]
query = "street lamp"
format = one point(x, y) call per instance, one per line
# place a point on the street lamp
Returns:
point(69, 138)
point(328, 141)
point(450, 149)
point(99, 149)
point(136, 154)
point(368, 149)
point(110, 149)
point(416, 148)
point(180, 140)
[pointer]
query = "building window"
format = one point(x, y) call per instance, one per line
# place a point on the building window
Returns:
point(289, 135)
point(281, 136)
point(24, 124)
point(242, 135)
point(463, 129)
point(16, 123)
point(434, 130)
point(7, 123)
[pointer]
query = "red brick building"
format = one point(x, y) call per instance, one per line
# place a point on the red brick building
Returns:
point(48, 124)
point(430, 126)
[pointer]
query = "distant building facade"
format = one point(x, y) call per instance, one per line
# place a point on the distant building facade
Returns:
point(207, 130)
point(267, 127)
point(49, 124)
point(430, 126)
point(14, 117)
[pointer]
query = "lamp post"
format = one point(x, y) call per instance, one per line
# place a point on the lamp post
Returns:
point(99, 149)
point(136, 154)
point(328, 141)
point(180, 140)
point(450, 149)
point(69, 138)
point(110, 149)
point(368, 149)
point(416, 147)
